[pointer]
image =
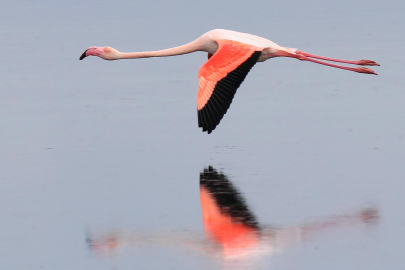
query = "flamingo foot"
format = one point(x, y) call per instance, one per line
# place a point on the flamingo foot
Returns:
point(368, 63)
point(365, 70)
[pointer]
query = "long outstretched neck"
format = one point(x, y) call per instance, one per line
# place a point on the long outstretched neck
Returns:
point(184, 49)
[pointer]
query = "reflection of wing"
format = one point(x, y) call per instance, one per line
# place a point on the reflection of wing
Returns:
point(226, 218)
point(231, 228)
point(227, 198)
point(220, 77)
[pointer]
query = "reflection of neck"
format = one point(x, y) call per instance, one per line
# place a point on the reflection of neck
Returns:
point(184, 49)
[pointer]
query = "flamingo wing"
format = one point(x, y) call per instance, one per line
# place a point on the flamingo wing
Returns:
point(220, 77)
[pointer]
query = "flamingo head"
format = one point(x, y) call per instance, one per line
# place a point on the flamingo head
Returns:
point(107, 53)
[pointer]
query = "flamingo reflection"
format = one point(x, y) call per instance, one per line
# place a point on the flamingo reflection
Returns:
point(232, 231)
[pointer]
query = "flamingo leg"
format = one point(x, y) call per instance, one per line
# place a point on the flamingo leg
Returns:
point(360, 62)
point(305, 58)
point(357, 69)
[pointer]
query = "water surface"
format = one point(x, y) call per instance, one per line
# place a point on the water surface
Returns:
point(95, 148)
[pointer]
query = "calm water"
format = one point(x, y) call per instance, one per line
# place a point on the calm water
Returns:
point(102, 163)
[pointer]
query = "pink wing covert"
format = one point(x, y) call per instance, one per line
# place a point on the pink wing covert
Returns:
point(220, 77)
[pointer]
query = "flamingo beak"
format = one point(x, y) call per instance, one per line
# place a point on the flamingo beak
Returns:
point(83, 55)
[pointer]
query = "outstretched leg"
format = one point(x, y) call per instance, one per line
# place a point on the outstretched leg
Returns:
point(303, 56)
point(360, 62)
point(357, 69)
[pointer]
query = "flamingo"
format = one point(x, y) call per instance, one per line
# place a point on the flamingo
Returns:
point(231, 55)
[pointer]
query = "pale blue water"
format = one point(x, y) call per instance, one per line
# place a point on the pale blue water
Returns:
point(98, 148)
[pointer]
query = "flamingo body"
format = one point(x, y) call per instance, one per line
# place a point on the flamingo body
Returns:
point(231, 55)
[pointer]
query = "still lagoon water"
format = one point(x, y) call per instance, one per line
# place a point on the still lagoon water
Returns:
point(103, 165)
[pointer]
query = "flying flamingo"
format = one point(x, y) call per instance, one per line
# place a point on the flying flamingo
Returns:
point(231, 55)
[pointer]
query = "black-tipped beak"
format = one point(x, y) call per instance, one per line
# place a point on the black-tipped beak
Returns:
point(83, 55)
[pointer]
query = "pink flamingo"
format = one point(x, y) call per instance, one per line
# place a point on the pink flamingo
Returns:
point(231, 56)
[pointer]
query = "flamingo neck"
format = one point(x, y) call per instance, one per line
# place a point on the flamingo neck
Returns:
point(184, 49)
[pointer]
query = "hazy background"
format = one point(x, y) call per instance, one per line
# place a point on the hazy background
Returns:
point(94, 146)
